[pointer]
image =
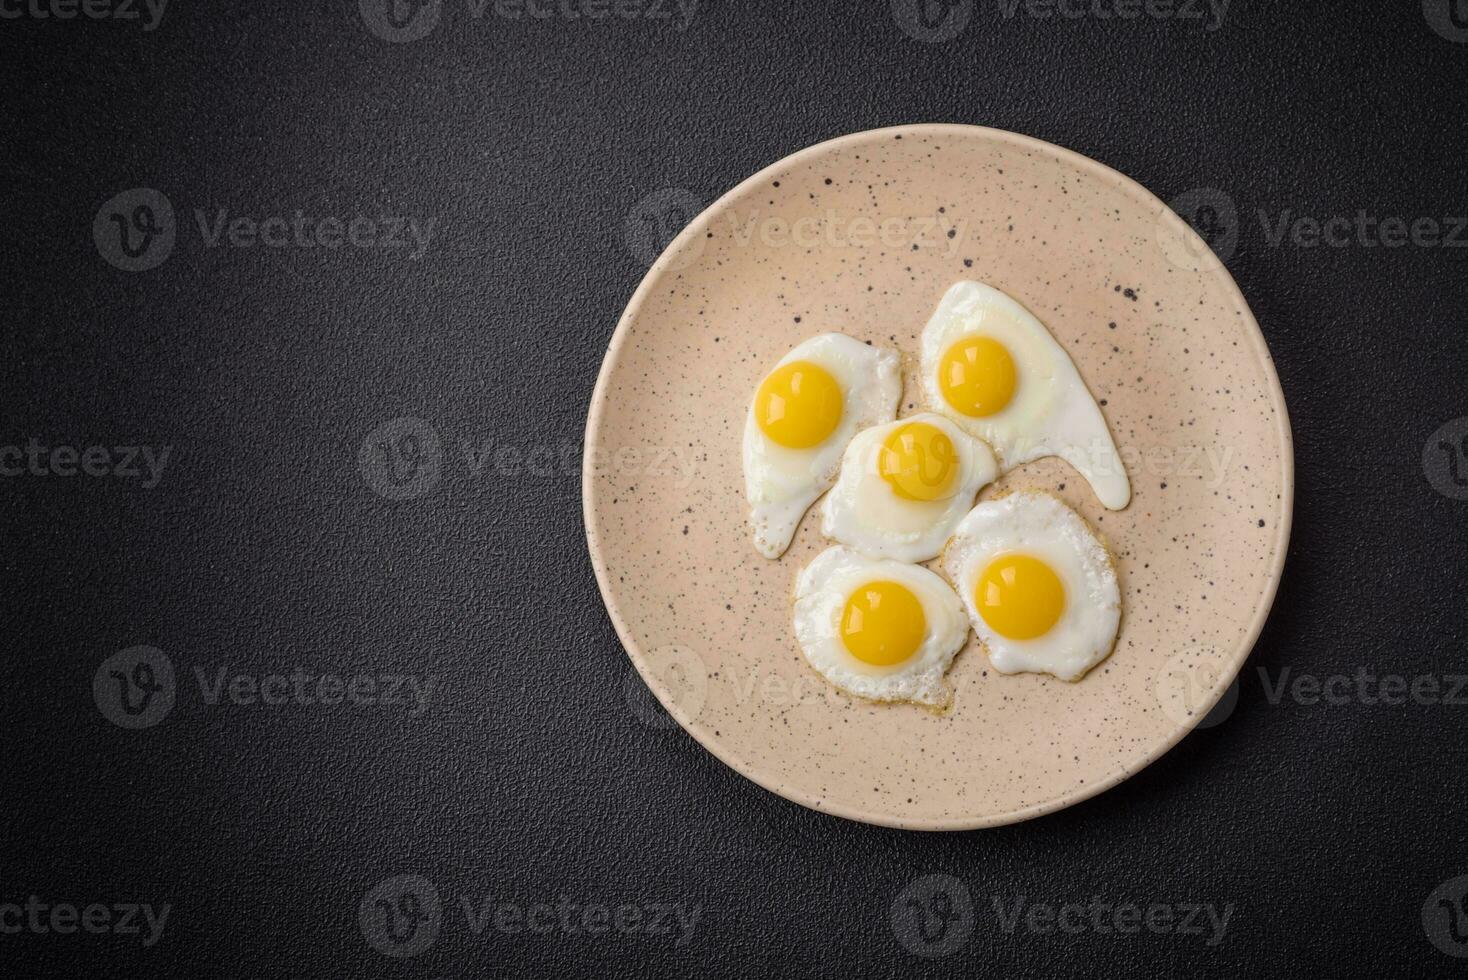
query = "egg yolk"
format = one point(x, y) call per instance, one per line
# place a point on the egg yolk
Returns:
point(883, 624)
point(798, 405)
point(919, 462)
point(1019, 596)
point(977, 376)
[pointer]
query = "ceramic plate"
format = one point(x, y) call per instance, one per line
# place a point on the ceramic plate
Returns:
point(862, 235)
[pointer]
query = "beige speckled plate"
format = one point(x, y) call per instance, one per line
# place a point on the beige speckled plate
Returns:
point(862, 235)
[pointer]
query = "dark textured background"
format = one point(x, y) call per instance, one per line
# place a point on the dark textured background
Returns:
point(533, 777)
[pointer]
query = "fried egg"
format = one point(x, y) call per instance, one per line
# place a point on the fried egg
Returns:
point(1039, 587)
point(878, 628)
point(992, 367)
point(904, 486)
point(803, 415)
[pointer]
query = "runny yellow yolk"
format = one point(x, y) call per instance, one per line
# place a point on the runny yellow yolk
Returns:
point(919, 462)
point(977, 377)
point(1019, 596)
point(798, 405)
point(883, 623)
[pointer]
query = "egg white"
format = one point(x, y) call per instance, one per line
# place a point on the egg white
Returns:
point(864, 512)
point(1038, 524)
point(1052, 412)
point(781, 483)
point(821, 593)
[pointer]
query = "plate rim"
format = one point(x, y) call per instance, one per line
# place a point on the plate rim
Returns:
point(700, 733)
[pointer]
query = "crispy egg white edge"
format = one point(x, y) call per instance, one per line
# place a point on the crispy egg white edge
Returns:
point(995, 519)
point(816, 616)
